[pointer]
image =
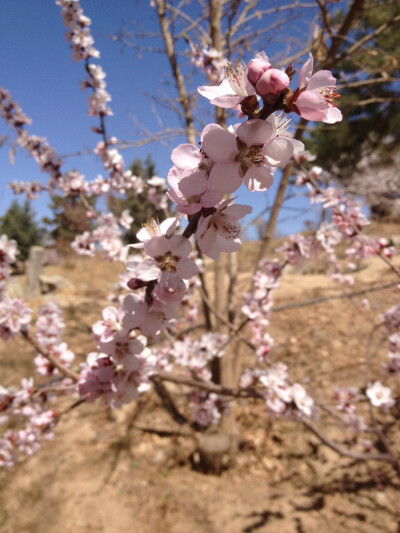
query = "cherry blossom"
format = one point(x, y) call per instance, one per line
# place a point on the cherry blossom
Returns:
point(315, 97)
point(231, 91)
point(380, 396)
point(220, 231)
point(15, 317)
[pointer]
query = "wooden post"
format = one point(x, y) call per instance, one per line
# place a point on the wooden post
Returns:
point(33, 271)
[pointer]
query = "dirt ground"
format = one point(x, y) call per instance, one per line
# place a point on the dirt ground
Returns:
point(102, 473)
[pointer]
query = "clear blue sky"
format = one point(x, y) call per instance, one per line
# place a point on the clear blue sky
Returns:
point(37, 68)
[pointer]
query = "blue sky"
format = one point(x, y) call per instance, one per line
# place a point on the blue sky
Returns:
point(37, 68)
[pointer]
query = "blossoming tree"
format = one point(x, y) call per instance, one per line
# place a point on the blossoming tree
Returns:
point(135, 342)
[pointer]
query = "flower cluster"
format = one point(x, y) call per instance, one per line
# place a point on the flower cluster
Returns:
point(15, 316)
point(78, 33)
point(257, 305)
point(38, 422)
point(210, 61)
point(38, 147)
point(281, 397)
point(346, 224)
point(107, 237)
point(314, 99)
point(49, 326)
point(8, 253)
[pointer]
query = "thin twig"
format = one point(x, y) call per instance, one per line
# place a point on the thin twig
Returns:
point(53, 360)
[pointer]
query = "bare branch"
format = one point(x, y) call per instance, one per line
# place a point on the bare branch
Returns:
point(353, 49)
point(176, 72)
point(387, 458)
point(322, 299)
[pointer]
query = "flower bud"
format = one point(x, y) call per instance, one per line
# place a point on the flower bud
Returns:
point(273, 81)
point(257, 66)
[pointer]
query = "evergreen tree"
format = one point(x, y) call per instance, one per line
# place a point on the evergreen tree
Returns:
point(19, 224)
point(138, 205)
point(69, 220)
point(367, 142)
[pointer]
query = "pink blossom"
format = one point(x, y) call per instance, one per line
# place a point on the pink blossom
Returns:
point(391, 318)
point(15, 317)
point(49, 325)
point(84, 244)
point(155, 229)
point(110, 328)
point(314, 99)
point(170, 255)
point(220, 231)
point(231, 91)
point(208, 408)
point(150, 319)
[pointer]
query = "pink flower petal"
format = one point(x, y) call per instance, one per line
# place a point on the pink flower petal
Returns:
point(279, 151)
point(334, 115)
point(180, 246)
point(237, 211)
point(225, 245)
point(194, 184)
point(225, 177)
point(211, 198)
point(147, 270)
point(186, 156)
point(306, 72)
point(227, 101)
point(258, 178)
point(255, 132)
point(157, 246)
point(215, 91)
point(218, 144)
point(186, 268)
point(322, 78)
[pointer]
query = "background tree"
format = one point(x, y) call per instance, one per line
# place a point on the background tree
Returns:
point(370, 96)
point(69, 220)
point(19, 224)
point(138, 204)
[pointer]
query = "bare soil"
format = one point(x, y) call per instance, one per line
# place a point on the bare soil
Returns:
point(102, 473)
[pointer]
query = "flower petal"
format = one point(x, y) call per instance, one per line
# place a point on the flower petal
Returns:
point(258, 178)
point(186, 156)
point(279, 151)
point(306, 72)
point(218, 144)
point(225, 177)
point(334, 115)
point(215, 91)
point(255, 132)
point(322, 78)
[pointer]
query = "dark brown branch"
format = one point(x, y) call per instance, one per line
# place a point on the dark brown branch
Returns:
point(387, 458)
point(235, 392)
point(343, 30)
point(350, 51)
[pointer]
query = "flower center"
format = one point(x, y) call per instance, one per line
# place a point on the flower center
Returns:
point(329, 95)
point(153, 227)
point(168, 262)
point(230, 231)
point(235, 74)
point(251, 157)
